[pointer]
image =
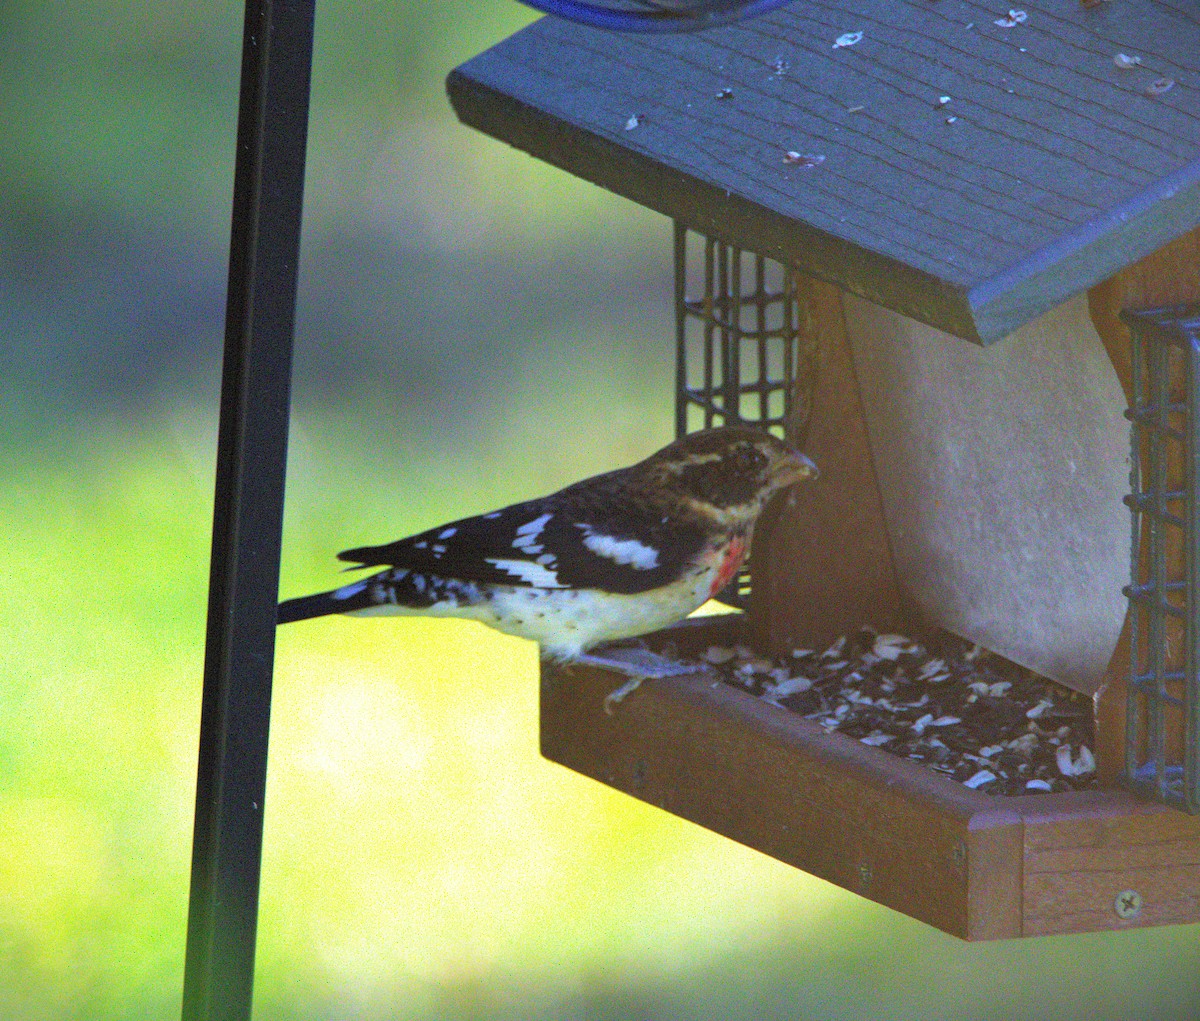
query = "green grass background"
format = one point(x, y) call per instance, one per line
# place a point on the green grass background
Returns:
point(473, 328)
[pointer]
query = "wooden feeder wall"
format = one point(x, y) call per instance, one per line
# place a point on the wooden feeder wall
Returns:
point(842, 553)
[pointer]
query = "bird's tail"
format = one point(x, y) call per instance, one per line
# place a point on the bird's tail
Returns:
point(346, 599)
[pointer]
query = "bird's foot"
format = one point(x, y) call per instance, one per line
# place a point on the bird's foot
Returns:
point(636, 664)
point(618, 694)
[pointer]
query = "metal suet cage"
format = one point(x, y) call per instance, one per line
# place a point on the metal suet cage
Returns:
point(745, 348)
point(1162, 726)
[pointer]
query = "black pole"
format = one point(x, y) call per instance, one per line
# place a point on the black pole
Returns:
point(248, 517)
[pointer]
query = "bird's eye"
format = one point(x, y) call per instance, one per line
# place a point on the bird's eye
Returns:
point(748, 458)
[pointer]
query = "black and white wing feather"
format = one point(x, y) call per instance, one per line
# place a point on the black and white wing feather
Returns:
point(553, 542)
point(562, 541)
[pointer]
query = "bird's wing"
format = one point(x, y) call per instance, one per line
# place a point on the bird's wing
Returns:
point(555, 542)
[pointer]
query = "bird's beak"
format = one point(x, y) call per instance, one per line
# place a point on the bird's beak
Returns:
point(797, 468)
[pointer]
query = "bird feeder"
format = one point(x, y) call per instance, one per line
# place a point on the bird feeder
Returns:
point(948, 248)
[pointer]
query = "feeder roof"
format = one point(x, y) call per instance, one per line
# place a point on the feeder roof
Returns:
point(968, 165)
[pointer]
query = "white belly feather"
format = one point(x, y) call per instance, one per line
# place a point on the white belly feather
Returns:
point(566, 622)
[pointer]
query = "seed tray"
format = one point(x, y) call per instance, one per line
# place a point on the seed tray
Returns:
point(946, 703)
point(976, 865)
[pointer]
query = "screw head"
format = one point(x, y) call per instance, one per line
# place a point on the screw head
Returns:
point(1128, 904)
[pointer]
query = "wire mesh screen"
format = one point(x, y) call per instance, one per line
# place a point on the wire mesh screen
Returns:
point(746, 347)
point(1162, 725)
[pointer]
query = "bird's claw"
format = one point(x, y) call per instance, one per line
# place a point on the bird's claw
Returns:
point(618, 694)
point(636, 664)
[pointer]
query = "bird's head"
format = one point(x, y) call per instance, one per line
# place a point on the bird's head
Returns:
point(729, 474)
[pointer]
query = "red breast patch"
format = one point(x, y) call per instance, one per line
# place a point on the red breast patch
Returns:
point(730, 566)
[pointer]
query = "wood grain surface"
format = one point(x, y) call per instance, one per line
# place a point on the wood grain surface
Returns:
point(821, 559)
point(1082, 850)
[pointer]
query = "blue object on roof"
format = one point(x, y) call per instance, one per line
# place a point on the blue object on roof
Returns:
point(656, 15)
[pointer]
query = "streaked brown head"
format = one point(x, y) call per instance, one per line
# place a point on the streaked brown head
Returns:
point(731, 469)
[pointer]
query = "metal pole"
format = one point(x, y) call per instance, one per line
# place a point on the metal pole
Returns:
point(247, 519)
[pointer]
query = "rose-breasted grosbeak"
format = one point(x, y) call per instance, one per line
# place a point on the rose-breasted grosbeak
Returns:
point(611, 557)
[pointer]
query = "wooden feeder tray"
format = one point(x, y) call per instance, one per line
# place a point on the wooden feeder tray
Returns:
point(978, 866)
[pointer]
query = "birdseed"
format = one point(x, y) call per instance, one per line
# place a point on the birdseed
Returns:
point(953, 706)
point(806, 161)
point(1013, 19)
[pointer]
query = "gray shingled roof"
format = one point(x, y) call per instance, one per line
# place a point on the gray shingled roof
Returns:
point(1058, 169)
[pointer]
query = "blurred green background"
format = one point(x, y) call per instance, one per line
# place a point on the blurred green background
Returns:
point(473, 328)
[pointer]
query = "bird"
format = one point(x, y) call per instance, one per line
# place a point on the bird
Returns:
point(612, 557)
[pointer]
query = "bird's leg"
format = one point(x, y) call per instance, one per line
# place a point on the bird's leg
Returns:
point(636, 664)
point(618, 694)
